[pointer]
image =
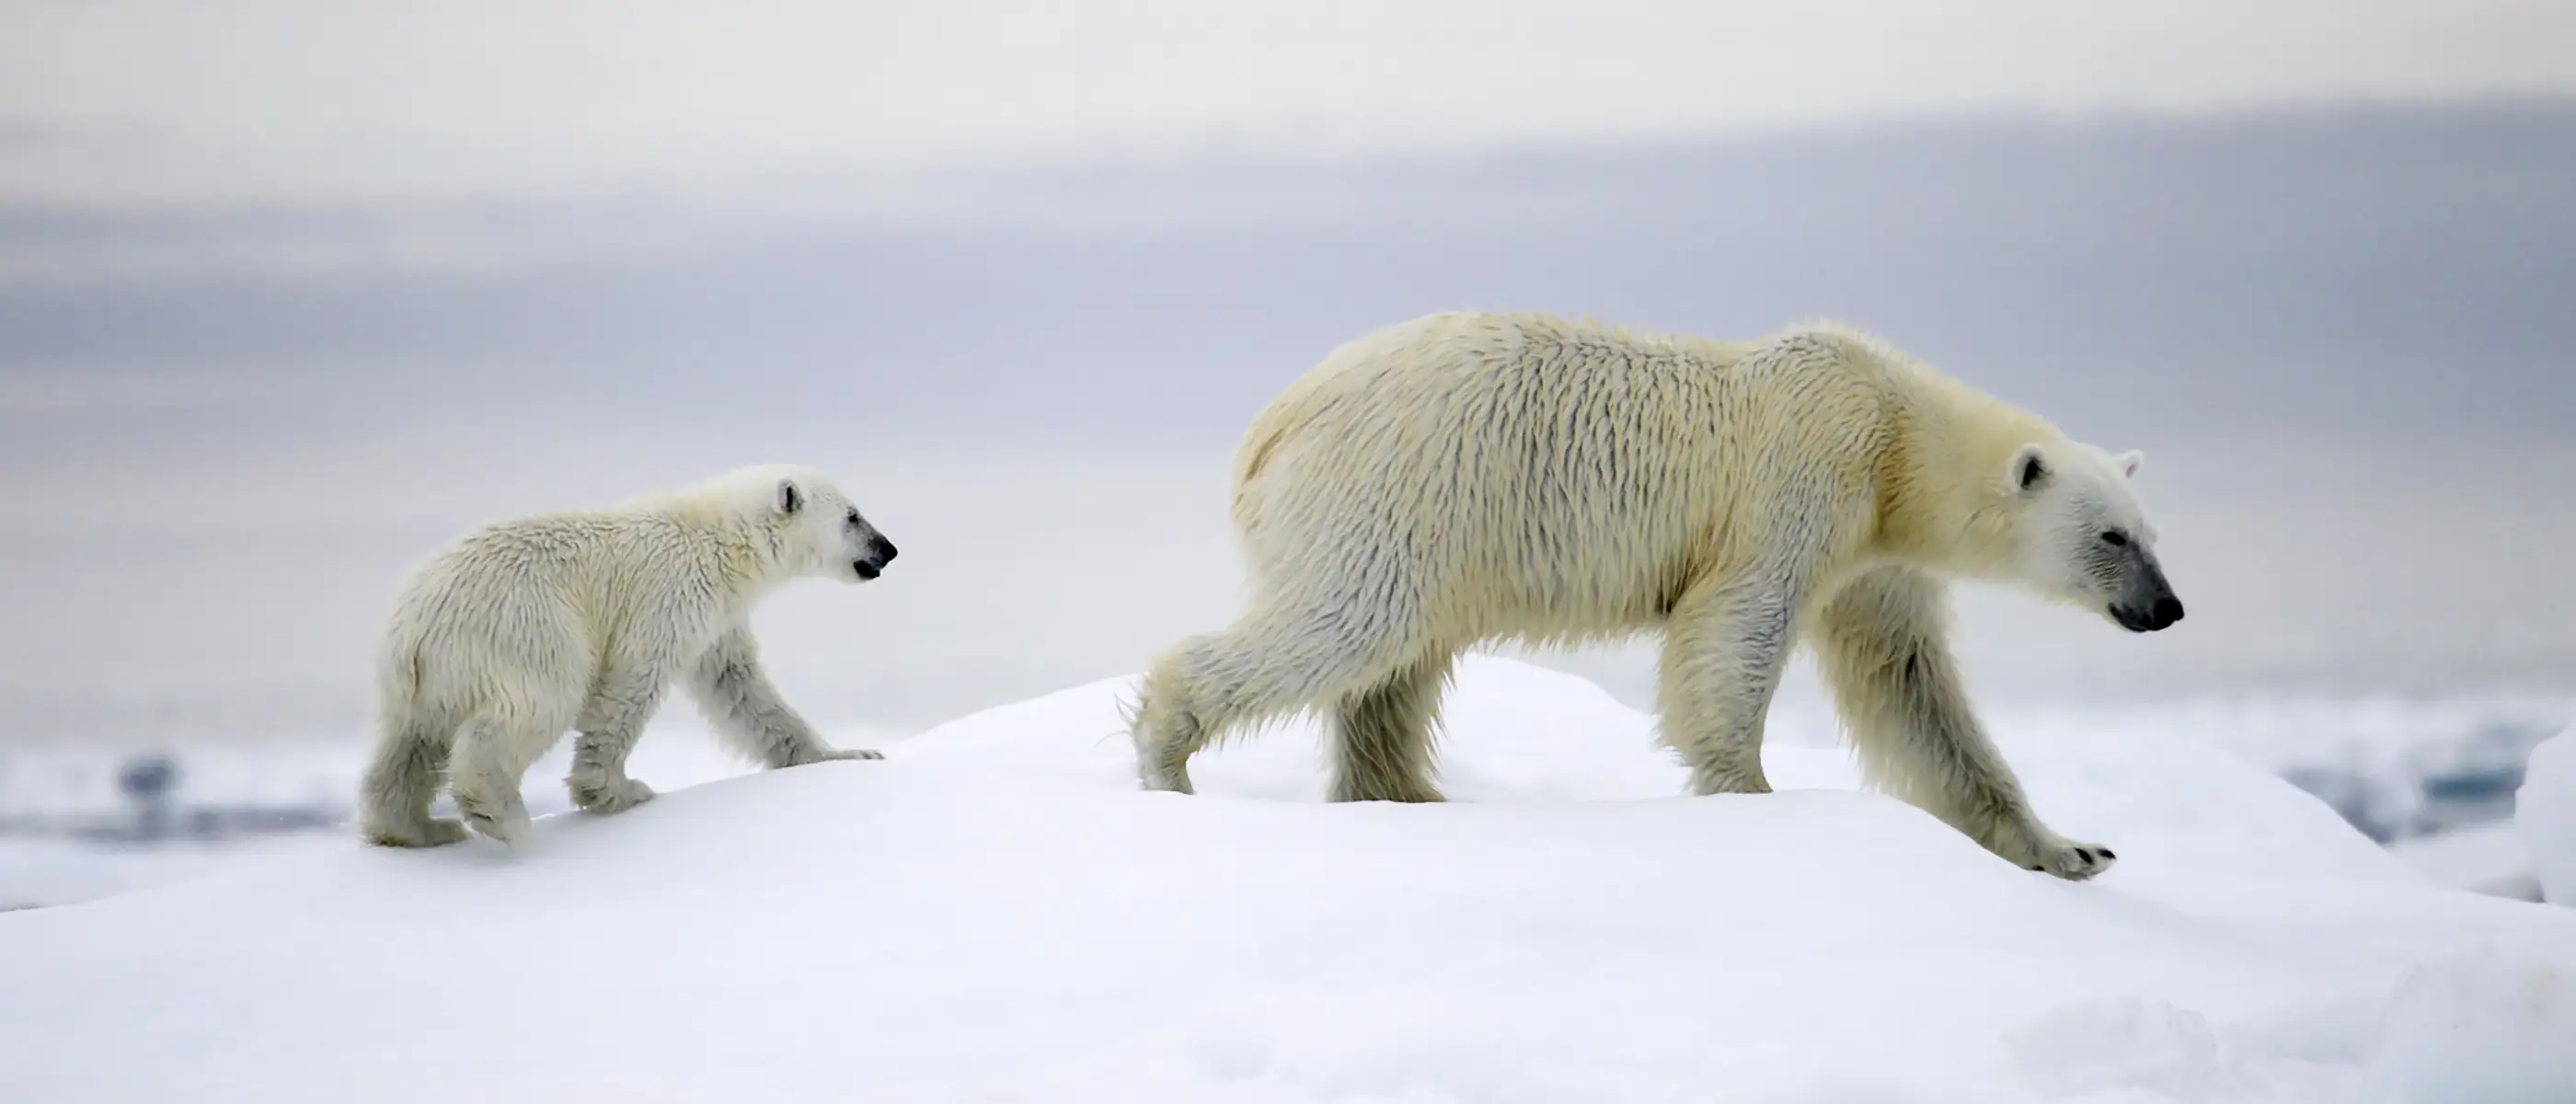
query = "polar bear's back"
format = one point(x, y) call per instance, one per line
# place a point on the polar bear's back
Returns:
point(1564, 464)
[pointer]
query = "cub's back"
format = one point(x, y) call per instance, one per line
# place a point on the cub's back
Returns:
point(600, 567)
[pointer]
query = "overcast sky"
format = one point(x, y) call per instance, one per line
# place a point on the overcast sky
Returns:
point(184, 101)
point(2391, 274)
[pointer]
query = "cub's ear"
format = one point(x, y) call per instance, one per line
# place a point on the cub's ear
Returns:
point(2130, 462)
point(790, 499)
point(2029, 468)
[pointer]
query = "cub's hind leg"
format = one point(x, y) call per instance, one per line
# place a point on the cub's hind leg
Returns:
point(492, 757)
point(611, 722)
point(402, 781)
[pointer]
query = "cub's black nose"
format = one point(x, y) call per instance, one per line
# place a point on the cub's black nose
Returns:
point(2168, 610)
point(882, 550)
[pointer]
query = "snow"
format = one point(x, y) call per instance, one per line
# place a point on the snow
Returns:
point(995, 912)
point(2489, 858)
point(48, 872)
point(2545, 816)
point(2484, 1026)
point(77, 787)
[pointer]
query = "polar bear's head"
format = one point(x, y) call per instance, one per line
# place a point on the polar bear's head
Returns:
point(827, 534)
point(2080, 536)
point(811, 528)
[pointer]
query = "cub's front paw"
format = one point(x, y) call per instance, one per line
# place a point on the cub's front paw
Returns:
point(606, 796)
point(2072, 860)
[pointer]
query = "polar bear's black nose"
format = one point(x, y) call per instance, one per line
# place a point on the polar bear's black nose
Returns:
point(881, 550)
point(2146, 617)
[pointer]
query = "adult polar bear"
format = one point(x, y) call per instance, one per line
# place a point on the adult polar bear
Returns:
point(525, 629)
point(1467, 477)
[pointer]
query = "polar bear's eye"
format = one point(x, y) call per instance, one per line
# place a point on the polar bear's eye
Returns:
point(2115, 538)
point(854, 515)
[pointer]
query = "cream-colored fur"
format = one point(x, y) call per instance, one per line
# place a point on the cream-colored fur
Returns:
point(529, 628)
point(1465, 478)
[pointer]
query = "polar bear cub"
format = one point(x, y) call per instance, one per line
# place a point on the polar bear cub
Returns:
point(526, 629)
point(1471, 477)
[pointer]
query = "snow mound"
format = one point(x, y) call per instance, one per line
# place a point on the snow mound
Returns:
point(2489, 858)
point(2485, 1026)
point(995, 912)
point(2545, 817)
point(1517, 734)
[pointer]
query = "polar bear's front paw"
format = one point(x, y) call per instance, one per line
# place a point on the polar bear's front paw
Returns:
point(609, 795)
point(2072, 860)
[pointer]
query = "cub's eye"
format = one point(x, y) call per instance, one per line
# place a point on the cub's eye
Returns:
point(854, 515)
point(2115, 538)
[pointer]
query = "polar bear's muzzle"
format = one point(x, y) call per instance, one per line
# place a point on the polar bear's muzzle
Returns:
point(2149, 603)
point(880, 553)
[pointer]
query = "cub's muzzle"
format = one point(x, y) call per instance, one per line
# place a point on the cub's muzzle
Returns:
point(880, 553)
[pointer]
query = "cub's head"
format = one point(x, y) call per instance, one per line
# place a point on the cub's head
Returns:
point(826, 535)
point(2079, 537)
point(807, 525)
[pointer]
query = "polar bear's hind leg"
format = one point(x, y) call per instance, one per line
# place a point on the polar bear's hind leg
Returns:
point(1265, 666)
point(1382, 736)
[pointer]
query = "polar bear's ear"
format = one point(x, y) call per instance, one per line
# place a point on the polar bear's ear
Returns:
point(2028, 468)
point(790, 499)
point(2130, 462)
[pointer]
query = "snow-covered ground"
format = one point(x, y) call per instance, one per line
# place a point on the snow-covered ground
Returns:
point(2487, 858)
point(2545, 817)
point(995, 913)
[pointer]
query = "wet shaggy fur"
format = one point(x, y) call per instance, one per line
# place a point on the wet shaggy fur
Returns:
point(1466, 477)
point(526, 629)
